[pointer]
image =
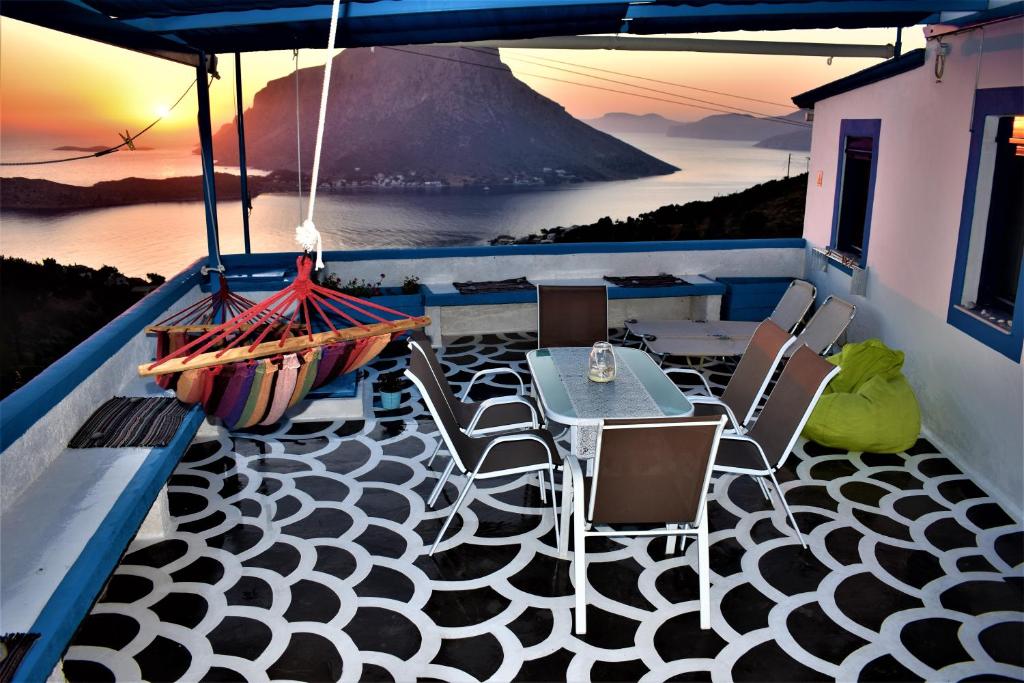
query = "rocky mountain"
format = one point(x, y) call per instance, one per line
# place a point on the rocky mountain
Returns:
point(735, 127)
point(429, 115)
point(620, 122)
point(797, 140)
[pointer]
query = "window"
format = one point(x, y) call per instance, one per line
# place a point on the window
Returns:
point(855, 187)
point(987, 280)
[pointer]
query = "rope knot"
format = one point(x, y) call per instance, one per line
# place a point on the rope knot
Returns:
point(309, 239)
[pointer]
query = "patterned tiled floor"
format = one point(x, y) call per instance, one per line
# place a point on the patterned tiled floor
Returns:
point(299, 553)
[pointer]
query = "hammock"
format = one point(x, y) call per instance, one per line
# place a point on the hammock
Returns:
point(251, 368)
point(265, 358)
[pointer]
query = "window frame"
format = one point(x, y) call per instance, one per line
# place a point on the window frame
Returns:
point(988, 102)
point(856, 128)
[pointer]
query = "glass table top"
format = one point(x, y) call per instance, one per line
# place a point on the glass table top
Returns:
point(640, 390)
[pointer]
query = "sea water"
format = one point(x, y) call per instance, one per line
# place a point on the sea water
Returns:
point(164, 238)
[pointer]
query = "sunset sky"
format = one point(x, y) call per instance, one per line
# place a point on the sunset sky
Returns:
point(60, 89)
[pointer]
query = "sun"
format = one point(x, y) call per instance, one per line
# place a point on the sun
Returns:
point(162, 110)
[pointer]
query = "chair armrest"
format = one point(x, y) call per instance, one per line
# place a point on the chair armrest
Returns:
point(502, 400)
point(491, 371)
point(516, 436)
point(711, 400)
point(690, 371)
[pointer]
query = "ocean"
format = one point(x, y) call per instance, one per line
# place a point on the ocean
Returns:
point(164, 238)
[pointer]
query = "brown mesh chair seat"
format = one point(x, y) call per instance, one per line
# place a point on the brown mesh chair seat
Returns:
point(506, 455)
point(479, 456)
point(740, 454)
point(767, 445)
point(497, 415)
point(653, 473)
point(748, 382)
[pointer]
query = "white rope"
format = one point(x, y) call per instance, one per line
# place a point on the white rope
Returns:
point(307, 234)
point(298, 129)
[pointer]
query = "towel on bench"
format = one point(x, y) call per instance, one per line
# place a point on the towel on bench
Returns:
point(662, 280)
point(13, 647)
point(127, 422)
point(492, 286)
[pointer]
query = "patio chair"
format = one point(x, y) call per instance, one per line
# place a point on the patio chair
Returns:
point(571, 315)
point(646, 472)
point(481, 457)
point(765, 448)
point(498, 414)
point(826, 326)
point(749, 381)
point(788, 313)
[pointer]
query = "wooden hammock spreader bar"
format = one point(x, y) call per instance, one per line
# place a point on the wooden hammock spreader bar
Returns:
point(275, 347)
point(297, 328)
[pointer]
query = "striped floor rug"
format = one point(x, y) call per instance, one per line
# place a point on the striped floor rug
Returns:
point(125, 422)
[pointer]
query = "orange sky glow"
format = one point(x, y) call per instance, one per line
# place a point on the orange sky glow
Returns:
point(62, 89)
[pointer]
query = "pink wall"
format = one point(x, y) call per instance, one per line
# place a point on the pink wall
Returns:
point(971, 395)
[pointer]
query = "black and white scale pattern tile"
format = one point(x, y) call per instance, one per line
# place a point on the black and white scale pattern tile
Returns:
point(299, 553)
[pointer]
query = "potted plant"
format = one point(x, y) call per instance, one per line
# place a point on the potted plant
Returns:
point(390, 386)
point(405, 298)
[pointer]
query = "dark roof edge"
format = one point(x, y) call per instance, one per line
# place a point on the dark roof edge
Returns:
point(873, 74)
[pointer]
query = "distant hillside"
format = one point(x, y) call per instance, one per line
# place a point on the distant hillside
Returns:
point(32, 194)
point(798, 140)
point(735, 127)
point(771, 209)
point(448, 115)
point(50, 308)
point(620, 122)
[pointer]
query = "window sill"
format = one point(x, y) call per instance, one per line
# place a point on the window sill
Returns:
point(982, 319)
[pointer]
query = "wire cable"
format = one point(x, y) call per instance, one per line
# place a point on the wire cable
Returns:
point(641, 87)
point(718, 109)
point(129, 141)
point(651, 80)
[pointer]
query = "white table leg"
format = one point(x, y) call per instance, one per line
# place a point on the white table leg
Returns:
point(567, 496)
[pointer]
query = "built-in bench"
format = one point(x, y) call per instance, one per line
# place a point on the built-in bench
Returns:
point(66, 532)
point(454, 313)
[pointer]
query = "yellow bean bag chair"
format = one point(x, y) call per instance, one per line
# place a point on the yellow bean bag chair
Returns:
point(869, 405)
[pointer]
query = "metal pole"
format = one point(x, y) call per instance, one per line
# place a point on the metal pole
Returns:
point(752, 47)
point(246, 200)
point(897, 49)
point(206, 153)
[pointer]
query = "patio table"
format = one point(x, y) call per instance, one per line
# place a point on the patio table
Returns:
point(640, 390)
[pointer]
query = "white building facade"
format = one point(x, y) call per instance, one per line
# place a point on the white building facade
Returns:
point(921, 151)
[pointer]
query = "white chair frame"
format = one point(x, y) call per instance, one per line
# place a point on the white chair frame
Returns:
point(769, 470)
point(738, 426)
point(582, 526)
point(475, 474)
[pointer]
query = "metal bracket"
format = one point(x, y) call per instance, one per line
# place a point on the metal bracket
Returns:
point(219, 268)
point(821, 256)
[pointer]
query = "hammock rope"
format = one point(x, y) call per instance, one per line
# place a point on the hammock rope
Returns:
point(306, 233)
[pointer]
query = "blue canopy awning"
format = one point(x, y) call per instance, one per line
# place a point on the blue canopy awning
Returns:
point(180, 28)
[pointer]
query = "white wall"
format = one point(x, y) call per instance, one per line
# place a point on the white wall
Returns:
point(714, 263)
point(971, 396)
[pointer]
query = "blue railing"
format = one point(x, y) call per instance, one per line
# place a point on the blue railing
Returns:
point(27, 405)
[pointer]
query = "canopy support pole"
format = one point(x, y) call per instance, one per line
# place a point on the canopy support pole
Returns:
point(206, 153)
point(243, 174)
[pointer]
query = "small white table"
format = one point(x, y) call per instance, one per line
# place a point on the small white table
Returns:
point(640, 390)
